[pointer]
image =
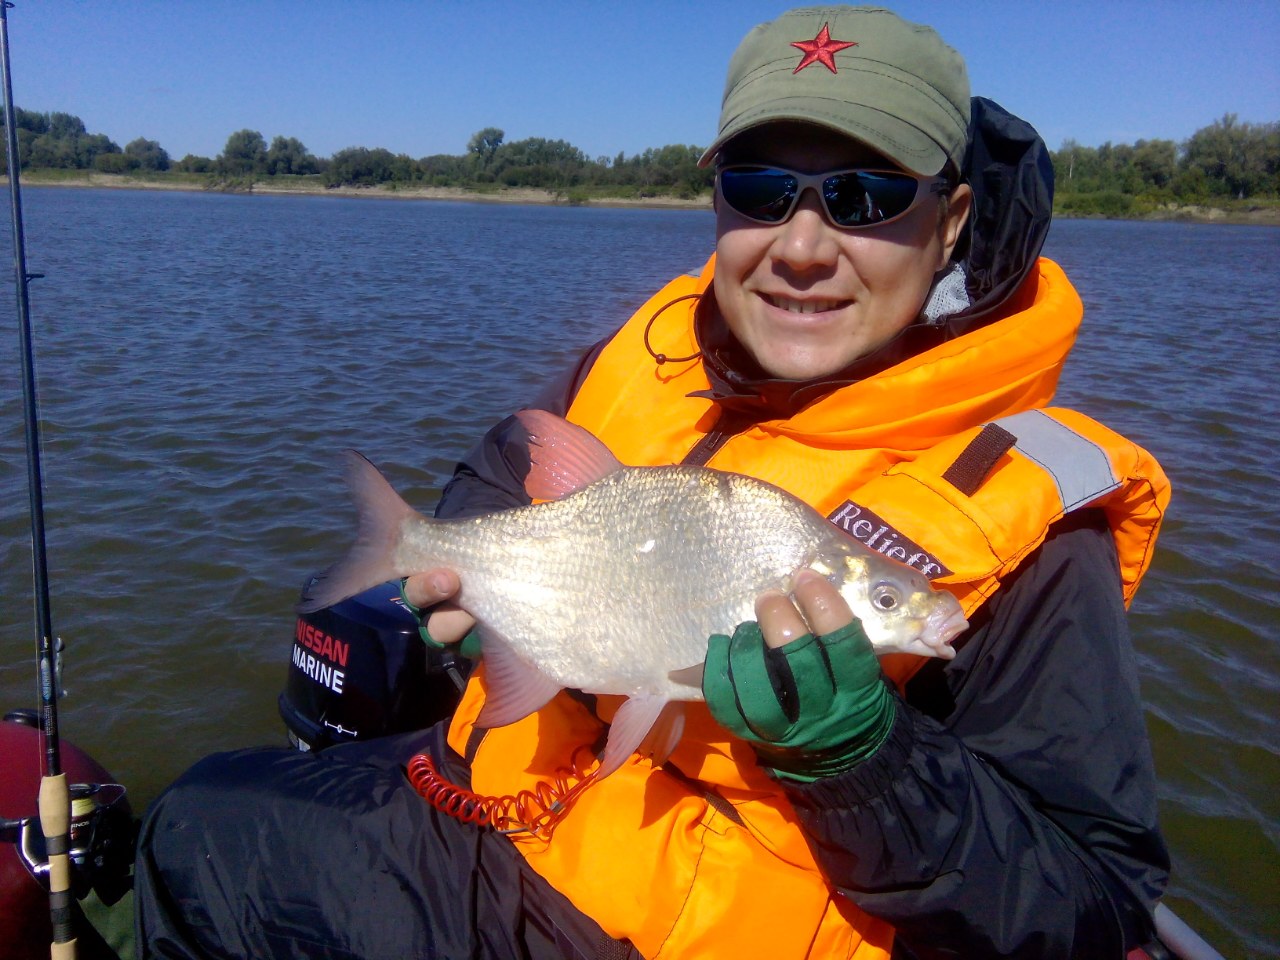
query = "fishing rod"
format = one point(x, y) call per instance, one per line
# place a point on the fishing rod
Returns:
point(55, 797)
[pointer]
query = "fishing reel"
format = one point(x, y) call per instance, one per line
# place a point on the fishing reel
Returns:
point(360, 670)
point(102, 833)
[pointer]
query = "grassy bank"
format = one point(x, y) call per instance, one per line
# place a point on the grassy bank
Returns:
point(1100, 206)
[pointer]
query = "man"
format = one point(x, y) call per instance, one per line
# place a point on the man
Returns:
point(854, 342)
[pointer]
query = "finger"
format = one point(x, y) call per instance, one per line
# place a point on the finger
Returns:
point(449, 623)
point(853, 660)
point(815, 687)
point(716, 686)
point(753, 686)
point(820, 603)
point(427, 589)
point(779, 620)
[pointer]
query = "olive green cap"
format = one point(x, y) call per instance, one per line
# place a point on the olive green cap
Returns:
point(861, 71)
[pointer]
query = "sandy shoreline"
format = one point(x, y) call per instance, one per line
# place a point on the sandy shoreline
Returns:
point(523, 195)
point(1259, 216)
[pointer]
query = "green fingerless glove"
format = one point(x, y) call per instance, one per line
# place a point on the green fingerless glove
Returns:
point(813, 708)
point(468, 647)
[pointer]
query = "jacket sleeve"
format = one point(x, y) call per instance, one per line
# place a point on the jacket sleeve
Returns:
point(1011, 812)
point(491, 476)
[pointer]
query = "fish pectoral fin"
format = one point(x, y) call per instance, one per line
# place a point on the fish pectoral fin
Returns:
point(514, 688)
point(630, 728)
point(664, 734)
point(688, 677)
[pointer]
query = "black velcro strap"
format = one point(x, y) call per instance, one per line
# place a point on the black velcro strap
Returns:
point(976, 460)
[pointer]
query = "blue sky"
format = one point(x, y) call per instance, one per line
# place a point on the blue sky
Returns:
point(421, 77)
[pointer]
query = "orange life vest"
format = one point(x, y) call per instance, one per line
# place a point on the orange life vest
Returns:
point(707, 859)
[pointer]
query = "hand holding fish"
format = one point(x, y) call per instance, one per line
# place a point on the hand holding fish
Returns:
point(445, 622)
point(801, 684)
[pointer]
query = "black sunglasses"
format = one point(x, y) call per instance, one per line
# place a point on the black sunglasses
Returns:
point(853, 199)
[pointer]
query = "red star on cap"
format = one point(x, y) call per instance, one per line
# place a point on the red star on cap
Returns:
point(821, 49)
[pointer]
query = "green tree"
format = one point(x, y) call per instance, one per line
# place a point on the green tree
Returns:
point(58, 140)
point(538, 162)
point(443, 169)
point(360, 166)
point(90, 146)
point(65, 126)
point(484, 144)
point(287, 155)
point(1242, 159)
point(149, 154)
point(116, 162)
point(194, 164)
point(1156, 162)
point(244, 155)
point(37, 123)
point(48, 152)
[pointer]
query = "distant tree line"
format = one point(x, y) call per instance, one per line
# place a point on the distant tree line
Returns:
point(60, 141)
point(534, 162)
point(1225, 160)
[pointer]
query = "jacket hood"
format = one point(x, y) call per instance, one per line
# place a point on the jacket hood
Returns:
point(1010, 172)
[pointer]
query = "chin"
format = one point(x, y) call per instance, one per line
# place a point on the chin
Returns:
point(801, 370)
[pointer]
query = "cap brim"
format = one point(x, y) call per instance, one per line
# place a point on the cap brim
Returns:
point(903, 144)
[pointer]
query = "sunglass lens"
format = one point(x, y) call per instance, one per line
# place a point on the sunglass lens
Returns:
point(764, 195)
point(861, 199)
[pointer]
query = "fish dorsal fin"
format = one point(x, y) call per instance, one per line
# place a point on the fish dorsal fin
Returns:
point(563, 457)
point(630, 728)
point(513, 689)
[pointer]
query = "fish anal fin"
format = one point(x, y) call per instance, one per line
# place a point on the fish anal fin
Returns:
point(629, 730)
point(514, 689)
point(563, 457)
point(664, 734)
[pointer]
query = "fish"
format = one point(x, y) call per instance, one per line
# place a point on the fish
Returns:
point(614, 578)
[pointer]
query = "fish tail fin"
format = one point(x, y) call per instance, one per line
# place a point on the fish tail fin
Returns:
point(564, 457)
point(371, 559)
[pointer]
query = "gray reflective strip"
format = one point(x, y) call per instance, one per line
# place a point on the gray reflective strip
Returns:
point(1079, 467)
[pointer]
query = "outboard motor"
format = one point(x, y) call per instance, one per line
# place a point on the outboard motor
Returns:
point(359, 670)
point(102, 837)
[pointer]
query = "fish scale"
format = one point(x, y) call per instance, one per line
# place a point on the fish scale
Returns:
point(651, 577)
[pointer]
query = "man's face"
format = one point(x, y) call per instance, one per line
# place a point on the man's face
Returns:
point(805, 297)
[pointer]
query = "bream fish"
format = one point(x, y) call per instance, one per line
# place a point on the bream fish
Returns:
point(613, 584)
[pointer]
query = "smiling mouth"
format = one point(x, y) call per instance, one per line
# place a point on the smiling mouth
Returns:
point(804, 306)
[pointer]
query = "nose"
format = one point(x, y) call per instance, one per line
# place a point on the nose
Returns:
point(806, 240)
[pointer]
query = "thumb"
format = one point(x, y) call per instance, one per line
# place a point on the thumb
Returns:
point(427, 589)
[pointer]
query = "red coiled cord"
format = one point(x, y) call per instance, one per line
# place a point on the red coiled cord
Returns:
point(536, 811)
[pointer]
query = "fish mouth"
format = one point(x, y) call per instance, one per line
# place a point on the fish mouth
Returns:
point(948, 623)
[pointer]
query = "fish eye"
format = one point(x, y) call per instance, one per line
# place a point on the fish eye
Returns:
point(884, 598)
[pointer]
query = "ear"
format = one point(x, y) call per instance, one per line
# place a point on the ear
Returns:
point(958, 206)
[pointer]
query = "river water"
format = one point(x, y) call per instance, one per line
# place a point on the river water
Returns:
point(202, 359)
